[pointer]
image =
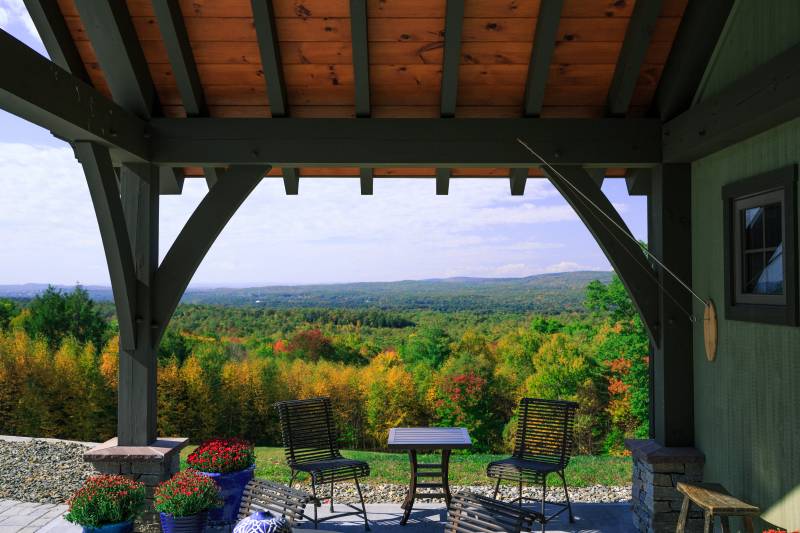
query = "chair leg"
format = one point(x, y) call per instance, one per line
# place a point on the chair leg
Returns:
point(331, 496)
point(291, 480)
point(520, 493)
point(497, 488)
point(314, 496)
point(544, 495)
point(363, 507)
point(566, 493)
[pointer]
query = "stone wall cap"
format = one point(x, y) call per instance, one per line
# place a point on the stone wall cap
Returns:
point(651, 452)
point(160, 450)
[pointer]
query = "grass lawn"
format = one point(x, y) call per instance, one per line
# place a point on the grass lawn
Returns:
point(465, 469)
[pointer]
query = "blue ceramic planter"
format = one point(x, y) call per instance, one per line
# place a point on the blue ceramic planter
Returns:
point(183, 524)
point(231, 487)
point(121, 527)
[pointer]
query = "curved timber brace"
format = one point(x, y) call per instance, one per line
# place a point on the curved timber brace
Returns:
point(627, 258)
point(146, 294)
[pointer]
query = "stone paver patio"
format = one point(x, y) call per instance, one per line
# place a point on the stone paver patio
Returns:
point(384, 518)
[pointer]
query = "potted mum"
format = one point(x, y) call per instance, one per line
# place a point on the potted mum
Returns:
point(106, 504)
point(230, 463)
point(183, 502)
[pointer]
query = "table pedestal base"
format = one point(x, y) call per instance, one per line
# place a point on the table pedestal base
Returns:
point(422, 477)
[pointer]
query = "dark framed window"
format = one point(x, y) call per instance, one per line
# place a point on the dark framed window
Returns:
point(761, 248)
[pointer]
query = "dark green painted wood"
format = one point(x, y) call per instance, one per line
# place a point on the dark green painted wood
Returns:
point(55, 35)
point(598, 175)
point(420, 142)
point(170, 180)
point(181, 58)
point(110, 29)
point(631, 57)
point(544, 44)
point(137, 387)
point(291, 181)
point(442, 181)
point(105, 194)
point(766, 97)
point(196, 238)
point(367, 181)
point(700, 29)
point(517, 179)
point(453, 25)
point(669, 218)
point(638, 181)
point(625, 256)
point(213, 175)
point(43, 93)
point(264, 20)
point(360, 44)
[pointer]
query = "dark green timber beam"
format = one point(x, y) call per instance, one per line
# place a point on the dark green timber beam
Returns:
point(638, 181)
point(518, 178)
point(766, 97)
point(598, 175)
point(700, 29)
point(105, 194)
point(196, 238)
point(170, 180)
point(360, 45)
point(291, 181)
point(442, 181)
point(544, 44)
point(631, 57)
point(367, 181)
point(264, 20)
point(110, 29)
point(420, 142)
point(57, 40)
point(453, 24)
point(181, 58)
point(625, 255)
point(41, 92)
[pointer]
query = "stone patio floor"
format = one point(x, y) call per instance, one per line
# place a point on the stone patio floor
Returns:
point(19, 517)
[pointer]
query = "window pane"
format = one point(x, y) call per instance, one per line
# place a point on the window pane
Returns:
point(773, 230)
point(753, 267)
point(771, 279)
point(753, 228)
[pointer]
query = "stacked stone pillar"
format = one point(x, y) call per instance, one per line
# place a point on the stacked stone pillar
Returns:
point(657, 469)
point(149, 464)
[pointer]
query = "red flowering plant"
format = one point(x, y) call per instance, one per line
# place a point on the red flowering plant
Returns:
point(186, 493)
point(106, 499)
point(222, 456)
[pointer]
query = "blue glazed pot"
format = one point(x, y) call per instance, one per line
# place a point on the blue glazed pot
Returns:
point(120, 527)
point(231, 487)
point(183, 524)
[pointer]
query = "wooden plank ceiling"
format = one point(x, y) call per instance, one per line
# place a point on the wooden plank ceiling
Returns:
point(406, 41)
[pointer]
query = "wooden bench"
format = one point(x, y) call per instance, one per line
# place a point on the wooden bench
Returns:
point(714, 500)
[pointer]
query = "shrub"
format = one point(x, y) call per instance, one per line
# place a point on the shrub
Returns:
point(187, 493)
point(222, 456)
point(104, 500)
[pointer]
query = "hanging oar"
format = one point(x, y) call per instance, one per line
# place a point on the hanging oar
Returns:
point(709, 309)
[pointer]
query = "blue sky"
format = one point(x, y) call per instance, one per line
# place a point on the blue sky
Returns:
point(329, 233)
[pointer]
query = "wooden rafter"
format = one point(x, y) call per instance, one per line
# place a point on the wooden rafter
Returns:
point(544, 44)
point(453, 25)
point(638, 181)
point(442, 181)
point(291, 180)
point(264, 20)
point(57, 40)
point(517, 179)
point(360, 48)
point(367, 181)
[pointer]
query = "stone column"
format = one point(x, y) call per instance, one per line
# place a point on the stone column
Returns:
point(148, 464)
point(656, 503)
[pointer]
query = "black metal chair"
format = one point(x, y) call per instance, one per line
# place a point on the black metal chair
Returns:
point(472, 513)
point(543, 446)
point(310, 443)
point(263, 495)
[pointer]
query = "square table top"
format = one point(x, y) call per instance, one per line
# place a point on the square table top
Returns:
point(428, 438)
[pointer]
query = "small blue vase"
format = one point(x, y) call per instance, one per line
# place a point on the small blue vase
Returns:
point(231, 487)
point(119, 527)
point(183, 524)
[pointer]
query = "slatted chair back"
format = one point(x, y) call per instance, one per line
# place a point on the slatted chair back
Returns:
point(544, 431)
point(472, 513)
point(308, 430)
point(263, 495)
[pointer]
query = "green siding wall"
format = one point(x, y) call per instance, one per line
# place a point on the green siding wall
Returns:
point(747, 402)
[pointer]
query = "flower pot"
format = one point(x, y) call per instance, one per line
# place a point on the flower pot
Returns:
point(183, 524)
point(119, 527)
point(231, 487)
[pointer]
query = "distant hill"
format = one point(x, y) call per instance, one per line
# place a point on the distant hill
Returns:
point(542, 293)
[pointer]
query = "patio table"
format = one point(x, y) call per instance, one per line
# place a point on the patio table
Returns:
point(416, 439)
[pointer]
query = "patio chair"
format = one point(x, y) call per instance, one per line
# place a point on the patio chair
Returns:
point(310, 444)
point(472, 513)
point(543, 445)
point(263, 495)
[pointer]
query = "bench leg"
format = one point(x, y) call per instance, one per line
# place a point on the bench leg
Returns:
point(683, 516)
point(708, 523)
point(748, 524)
point(726, 524)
